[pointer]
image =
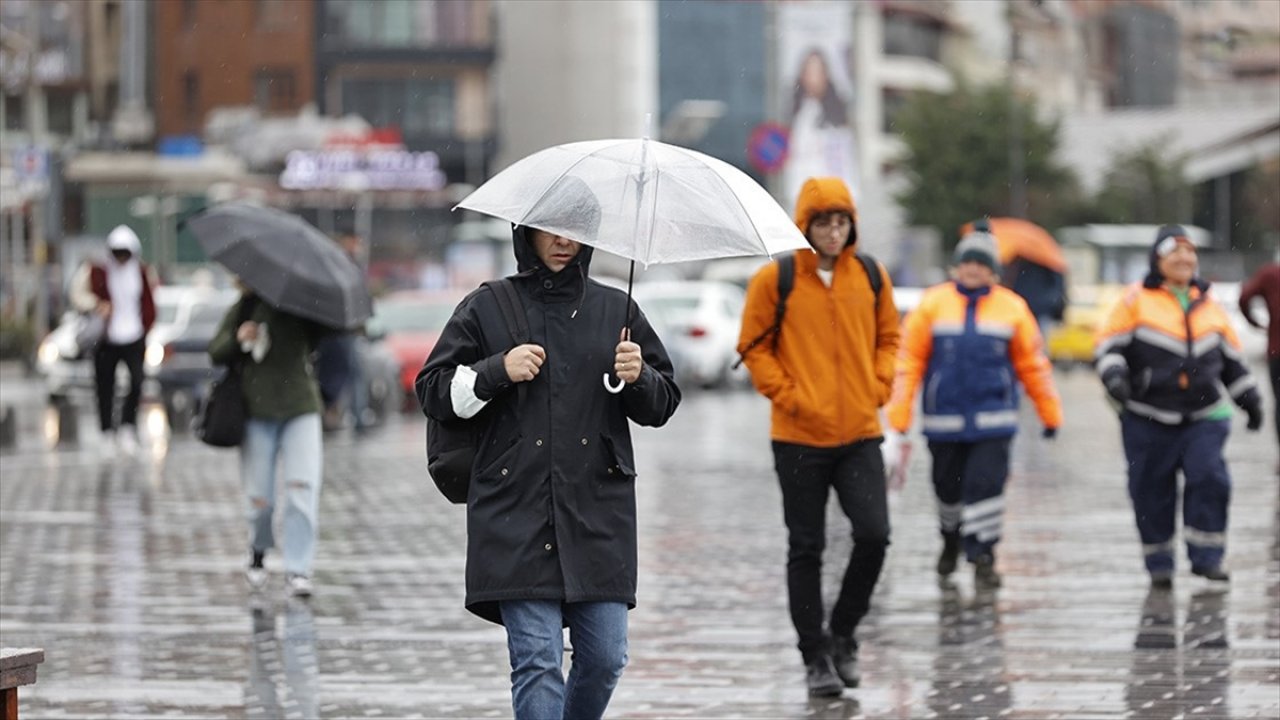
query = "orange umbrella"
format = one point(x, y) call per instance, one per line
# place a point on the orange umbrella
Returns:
point(1018, 238)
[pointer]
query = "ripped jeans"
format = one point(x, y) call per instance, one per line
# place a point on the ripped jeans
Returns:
point(296, 444)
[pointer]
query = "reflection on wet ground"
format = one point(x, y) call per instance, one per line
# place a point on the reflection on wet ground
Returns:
point(129, 573)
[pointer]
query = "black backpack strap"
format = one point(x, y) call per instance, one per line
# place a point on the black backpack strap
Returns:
point(873, 274)
point(513, 314)
point(512, 309)
point(786, 281)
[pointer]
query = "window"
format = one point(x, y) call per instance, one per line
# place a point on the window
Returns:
point(60, 106)
point(400, 23)
point(273, 14)
point(912, 36)
point(15, 111)
point(416, 106)
point(274, 90)
point(192, 114)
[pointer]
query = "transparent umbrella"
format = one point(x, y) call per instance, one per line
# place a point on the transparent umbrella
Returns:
point(648, 201)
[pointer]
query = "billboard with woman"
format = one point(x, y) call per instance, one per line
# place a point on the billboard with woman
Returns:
point(813, 51)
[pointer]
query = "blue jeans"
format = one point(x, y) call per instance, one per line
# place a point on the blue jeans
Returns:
point(535, 641)
point(296, 444)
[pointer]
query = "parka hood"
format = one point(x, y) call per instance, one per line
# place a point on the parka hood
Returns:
point(573, 212)
point(825, 194)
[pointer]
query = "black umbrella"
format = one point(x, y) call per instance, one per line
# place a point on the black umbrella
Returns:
point(288, 263)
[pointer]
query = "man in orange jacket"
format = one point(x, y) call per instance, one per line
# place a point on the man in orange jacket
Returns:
point(971, 342)
point(827, 366)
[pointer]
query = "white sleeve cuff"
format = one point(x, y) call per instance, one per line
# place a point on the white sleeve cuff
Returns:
point(462, 392)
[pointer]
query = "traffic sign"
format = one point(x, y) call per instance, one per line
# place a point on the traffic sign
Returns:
point(767, 147)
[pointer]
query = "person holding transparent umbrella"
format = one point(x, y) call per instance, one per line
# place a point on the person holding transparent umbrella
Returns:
point(551, 511)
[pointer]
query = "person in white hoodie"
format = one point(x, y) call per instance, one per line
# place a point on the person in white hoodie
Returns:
point(121, 290)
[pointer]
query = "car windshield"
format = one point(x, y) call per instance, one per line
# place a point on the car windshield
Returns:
point(410, 316)
point(166, 312)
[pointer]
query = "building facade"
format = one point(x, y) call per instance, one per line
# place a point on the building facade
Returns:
point(224, 54)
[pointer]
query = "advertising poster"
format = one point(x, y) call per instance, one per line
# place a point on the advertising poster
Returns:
point(816, 93)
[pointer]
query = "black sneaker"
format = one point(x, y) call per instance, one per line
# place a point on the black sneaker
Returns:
point(820, 676)
point(985, 576)
point(950, 554)
point(1162, 580)
point(1215, 573)
point(844, 655)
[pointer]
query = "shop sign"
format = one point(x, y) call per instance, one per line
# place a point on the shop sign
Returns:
point(339, 169)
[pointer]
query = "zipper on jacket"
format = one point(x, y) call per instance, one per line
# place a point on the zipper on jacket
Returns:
point(1184, 381)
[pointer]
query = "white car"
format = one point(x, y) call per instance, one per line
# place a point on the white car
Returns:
point(698, 321)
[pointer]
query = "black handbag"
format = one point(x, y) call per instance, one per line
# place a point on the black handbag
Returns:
point(221, 419)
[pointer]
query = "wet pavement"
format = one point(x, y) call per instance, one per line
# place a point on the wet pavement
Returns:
point(129, 574)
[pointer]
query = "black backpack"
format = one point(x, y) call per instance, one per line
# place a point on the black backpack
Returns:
point(452, 446)
point(787, 280)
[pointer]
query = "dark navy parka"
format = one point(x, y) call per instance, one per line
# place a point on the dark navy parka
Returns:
point(551, 512)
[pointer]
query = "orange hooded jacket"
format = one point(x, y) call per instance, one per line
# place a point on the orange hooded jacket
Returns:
point(833, 364)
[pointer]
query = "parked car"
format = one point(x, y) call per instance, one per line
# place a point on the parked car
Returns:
point(68, 371)
point(407, 324)
point(699, 322)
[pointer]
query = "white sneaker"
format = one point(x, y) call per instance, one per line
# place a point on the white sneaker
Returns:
point(127, 439)
point(299, 585)
point(107, 446)
point(256, 576)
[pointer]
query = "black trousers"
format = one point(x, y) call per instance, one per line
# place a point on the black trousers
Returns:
point(807, 475)
point(105, 360)
point(1275, 394)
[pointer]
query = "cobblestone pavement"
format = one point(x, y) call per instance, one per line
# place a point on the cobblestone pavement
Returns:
point(129, 574)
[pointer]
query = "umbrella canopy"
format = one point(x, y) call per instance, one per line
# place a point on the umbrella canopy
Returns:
point(289, 264)
point(658, 203)
point(1018, 238)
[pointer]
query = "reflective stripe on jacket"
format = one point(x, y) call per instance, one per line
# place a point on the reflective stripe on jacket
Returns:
point(968, 347)
point(1174, 358)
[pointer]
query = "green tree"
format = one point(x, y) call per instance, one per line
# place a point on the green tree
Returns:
point(958, 157)
point(1144, 185)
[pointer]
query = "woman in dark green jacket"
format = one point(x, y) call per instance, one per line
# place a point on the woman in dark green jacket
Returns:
point(283, 423)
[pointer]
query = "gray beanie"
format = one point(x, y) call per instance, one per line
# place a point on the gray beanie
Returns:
point(979, 247)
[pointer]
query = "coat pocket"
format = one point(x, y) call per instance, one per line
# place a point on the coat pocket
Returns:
point(618, 462)
point(498, 464)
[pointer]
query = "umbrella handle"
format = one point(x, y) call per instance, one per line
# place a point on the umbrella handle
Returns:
point(609, 385)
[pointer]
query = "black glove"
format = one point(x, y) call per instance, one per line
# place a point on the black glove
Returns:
point(1254, 411)
point(1049, 433)
point(1117, 385)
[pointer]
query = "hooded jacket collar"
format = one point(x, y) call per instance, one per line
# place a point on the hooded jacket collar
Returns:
point(567, 285)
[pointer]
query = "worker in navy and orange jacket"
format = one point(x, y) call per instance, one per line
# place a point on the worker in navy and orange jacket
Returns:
point(971, 341)
point(1162, 352)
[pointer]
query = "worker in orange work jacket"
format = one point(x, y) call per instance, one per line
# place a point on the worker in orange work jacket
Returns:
point(971, 341)
point(1163, 351)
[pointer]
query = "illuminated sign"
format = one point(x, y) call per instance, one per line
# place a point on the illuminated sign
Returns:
point(362, 170)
